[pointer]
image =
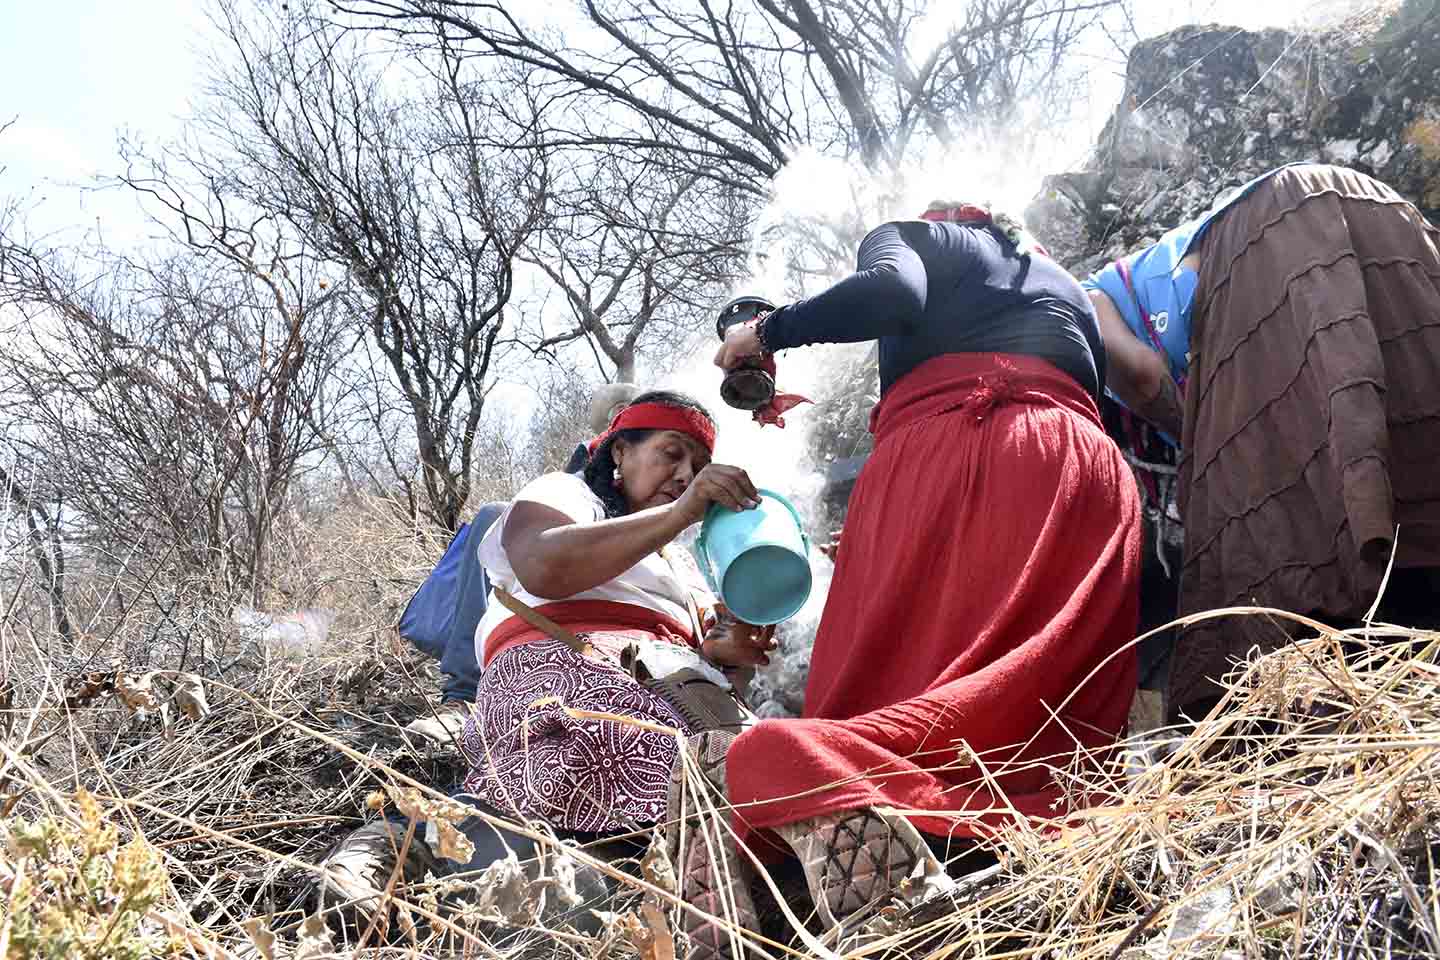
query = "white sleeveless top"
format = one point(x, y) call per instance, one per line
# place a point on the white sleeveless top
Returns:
point(664, 584)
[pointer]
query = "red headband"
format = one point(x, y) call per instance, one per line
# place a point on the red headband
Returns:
point(960, 213)
point(660, 416)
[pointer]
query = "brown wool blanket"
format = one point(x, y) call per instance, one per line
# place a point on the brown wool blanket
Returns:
point(1312, 412)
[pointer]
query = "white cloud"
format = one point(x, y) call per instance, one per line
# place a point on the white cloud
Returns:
point(77, 73)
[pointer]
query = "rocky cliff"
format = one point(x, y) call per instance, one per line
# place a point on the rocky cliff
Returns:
point(1207, 108)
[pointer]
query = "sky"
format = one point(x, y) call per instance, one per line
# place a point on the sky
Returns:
point(73, 75)
point(76, 73)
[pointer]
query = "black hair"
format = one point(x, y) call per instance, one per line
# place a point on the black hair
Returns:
point(600, 471)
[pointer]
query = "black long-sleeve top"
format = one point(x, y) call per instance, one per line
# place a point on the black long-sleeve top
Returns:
point(924, 289)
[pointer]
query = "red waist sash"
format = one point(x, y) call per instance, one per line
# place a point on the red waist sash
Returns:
point(978, 382)
point(588, 616)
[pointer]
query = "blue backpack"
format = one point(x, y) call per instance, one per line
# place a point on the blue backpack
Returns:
point(453, 597)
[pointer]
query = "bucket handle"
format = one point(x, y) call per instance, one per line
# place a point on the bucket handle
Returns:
point(799, 523)
point(707, 566)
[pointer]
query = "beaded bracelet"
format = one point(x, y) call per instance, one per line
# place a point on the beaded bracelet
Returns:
point(760, 332)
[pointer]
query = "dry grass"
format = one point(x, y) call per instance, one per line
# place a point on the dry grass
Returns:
point(1299, 819)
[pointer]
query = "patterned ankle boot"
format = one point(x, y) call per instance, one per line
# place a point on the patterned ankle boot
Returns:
point(858, 858)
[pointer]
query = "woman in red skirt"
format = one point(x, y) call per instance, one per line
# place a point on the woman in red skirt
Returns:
point(988, 572)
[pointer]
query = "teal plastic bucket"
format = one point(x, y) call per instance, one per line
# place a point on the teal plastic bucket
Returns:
point(757, 561)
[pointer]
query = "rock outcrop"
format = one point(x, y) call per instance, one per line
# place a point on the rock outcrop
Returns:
point(1207, 108)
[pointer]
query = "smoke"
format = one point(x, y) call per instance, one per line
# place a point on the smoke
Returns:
point(806, 237)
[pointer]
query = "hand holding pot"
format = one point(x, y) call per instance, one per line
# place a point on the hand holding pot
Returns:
point(740, 344)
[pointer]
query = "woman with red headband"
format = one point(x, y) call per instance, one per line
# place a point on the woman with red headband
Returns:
point(987, 576)
point(586, 586)
point(592, 555)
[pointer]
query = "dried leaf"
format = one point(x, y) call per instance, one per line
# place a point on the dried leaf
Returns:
point(451, 843)
point(417, 806)
point(314, 942)
point(137, 692)
point(661, 943)
point(87, 687)
point(638, 934)
point(408, 801)
point(261, 935)
point(655, 866)
point(506, 893)
point(189, 696)
point(649, 934)
point(563, 891)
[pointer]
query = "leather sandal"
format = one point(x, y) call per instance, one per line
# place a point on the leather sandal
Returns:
point(716, 879)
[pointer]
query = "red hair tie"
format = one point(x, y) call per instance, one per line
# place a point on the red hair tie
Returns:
point(959, 213)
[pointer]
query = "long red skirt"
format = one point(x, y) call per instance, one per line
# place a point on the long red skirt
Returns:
point(987, 575)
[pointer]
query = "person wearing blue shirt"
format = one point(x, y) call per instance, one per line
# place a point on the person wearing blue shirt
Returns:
point(1149, 296)
point(1288, 341)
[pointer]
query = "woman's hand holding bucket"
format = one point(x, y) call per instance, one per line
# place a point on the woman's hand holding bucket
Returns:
point(717, 483)
point(756, 560)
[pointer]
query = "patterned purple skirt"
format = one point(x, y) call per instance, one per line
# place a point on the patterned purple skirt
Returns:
point(535, 761)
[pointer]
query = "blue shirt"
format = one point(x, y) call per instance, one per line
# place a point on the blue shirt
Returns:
point(1165, 289)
